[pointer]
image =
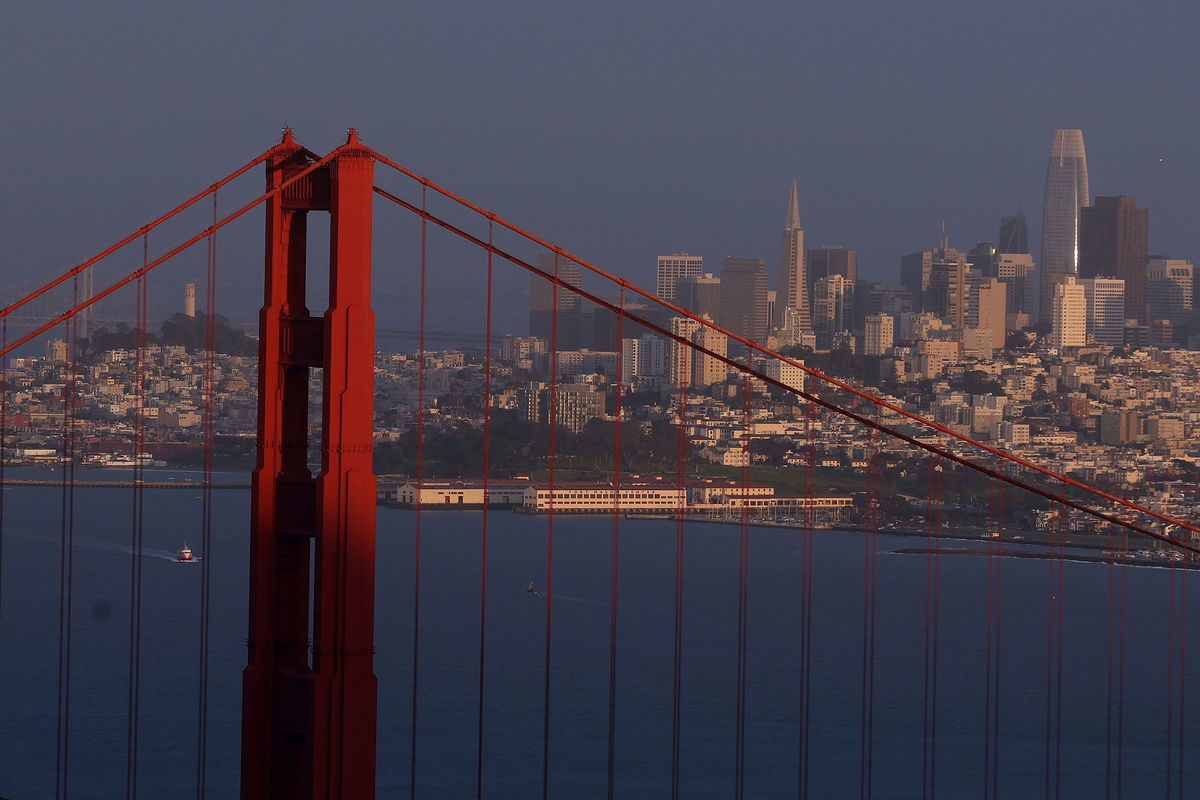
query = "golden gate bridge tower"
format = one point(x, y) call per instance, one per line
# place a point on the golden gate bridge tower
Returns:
point(308, 726)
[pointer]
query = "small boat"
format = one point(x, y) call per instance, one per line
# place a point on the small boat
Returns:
point(185, 556)
point(531, 588)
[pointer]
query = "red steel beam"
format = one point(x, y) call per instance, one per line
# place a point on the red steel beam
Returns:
point(1004, 454)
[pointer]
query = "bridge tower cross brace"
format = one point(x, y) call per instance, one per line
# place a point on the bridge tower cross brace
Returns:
point(309, 689)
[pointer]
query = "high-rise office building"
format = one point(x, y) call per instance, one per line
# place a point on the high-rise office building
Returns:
point(1019, 275)
point(937, 280)
point(1113, 238)
point(879, 333)
point(793, 278)
point(1068, 313)
point(673, 267)
point(1169, 289)
point(565, 330)
point(831, 300)
point(1066, 192)
point(1105, 299)
point(831, 261)
point(983, 259)
point(700, 294)
point(987, 308)
point(744, 298)
point(1014, 235)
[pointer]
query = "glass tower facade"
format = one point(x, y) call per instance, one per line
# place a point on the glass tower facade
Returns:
point(1066, 192)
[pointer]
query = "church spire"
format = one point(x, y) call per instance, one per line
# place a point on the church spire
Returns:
point(793, 217)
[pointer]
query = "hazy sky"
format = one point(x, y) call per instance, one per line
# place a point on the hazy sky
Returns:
point(620, 130)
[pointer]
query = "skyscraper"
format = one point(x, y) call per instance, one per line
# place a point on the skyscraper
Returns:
point(566, 329)
point(673, 267)
point(983, 258)
point(744, 298)
point(1014, 235)
point(793, 279)
point(1113, 238)
point(700, 294)
point(1066, 192)
point(831, 304)
point(1169, 289)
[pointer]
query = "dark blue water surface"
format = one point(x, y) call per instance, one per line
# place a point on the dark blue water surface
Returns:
point(446, 728)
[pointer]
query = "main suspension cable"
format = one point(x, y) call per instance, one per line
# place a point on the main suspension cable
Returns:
point(824, 403)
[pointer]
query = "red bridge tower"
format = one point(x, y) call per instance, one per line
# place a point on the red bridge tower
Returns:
point(308, 716)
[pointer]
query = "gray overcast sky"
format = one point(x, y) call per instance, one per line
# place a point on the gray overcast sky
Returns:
point(620, 130)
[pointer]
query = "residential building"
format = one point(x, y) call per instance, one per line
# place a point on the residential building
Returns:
point(1068, 314)
point(1105, 309)
point(878, 334)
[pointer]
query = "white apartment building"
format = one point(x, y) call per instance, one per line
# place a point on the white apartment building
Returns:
point(879, 334)
point(1068, 314)
point(673, 267)
point(1105, 299)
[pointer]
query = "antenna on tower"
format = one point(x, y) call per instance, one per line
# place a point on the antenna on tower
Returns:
point(944, 241)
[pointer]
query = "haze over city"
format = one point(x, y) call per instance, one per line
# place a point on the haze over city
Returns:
point(622, 131)
point(883, 484)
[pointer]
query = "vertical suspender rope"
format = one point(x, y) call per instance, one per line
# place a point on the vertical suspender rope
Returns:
point(870, 535)
point(135, 581)
point(994, 596)
point(487, 499)
point(806, 595)
point(67, 555)
point(551, 463)
point(1183, 638)
point(929, 713)
point(684, 369)
point(1121, 617)
point(616, 547)
point(3, 445)
point(206, 512)
point(420, 470)
point(743, 580)
point(1170, 726)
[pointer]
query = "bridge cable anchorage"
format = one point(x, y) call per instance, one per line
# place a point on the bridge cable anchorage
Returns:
point(770, 354)
point(206, 512)
point(820, 401)
point(483, 546)
point(683, 376)
point(147, 266)
point(614, 566)
point(418, 520)
point(139, 233)
point(551, 465)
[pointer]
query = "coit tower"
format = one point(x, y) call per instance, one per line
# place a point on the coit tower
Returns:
point(1066, 193)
